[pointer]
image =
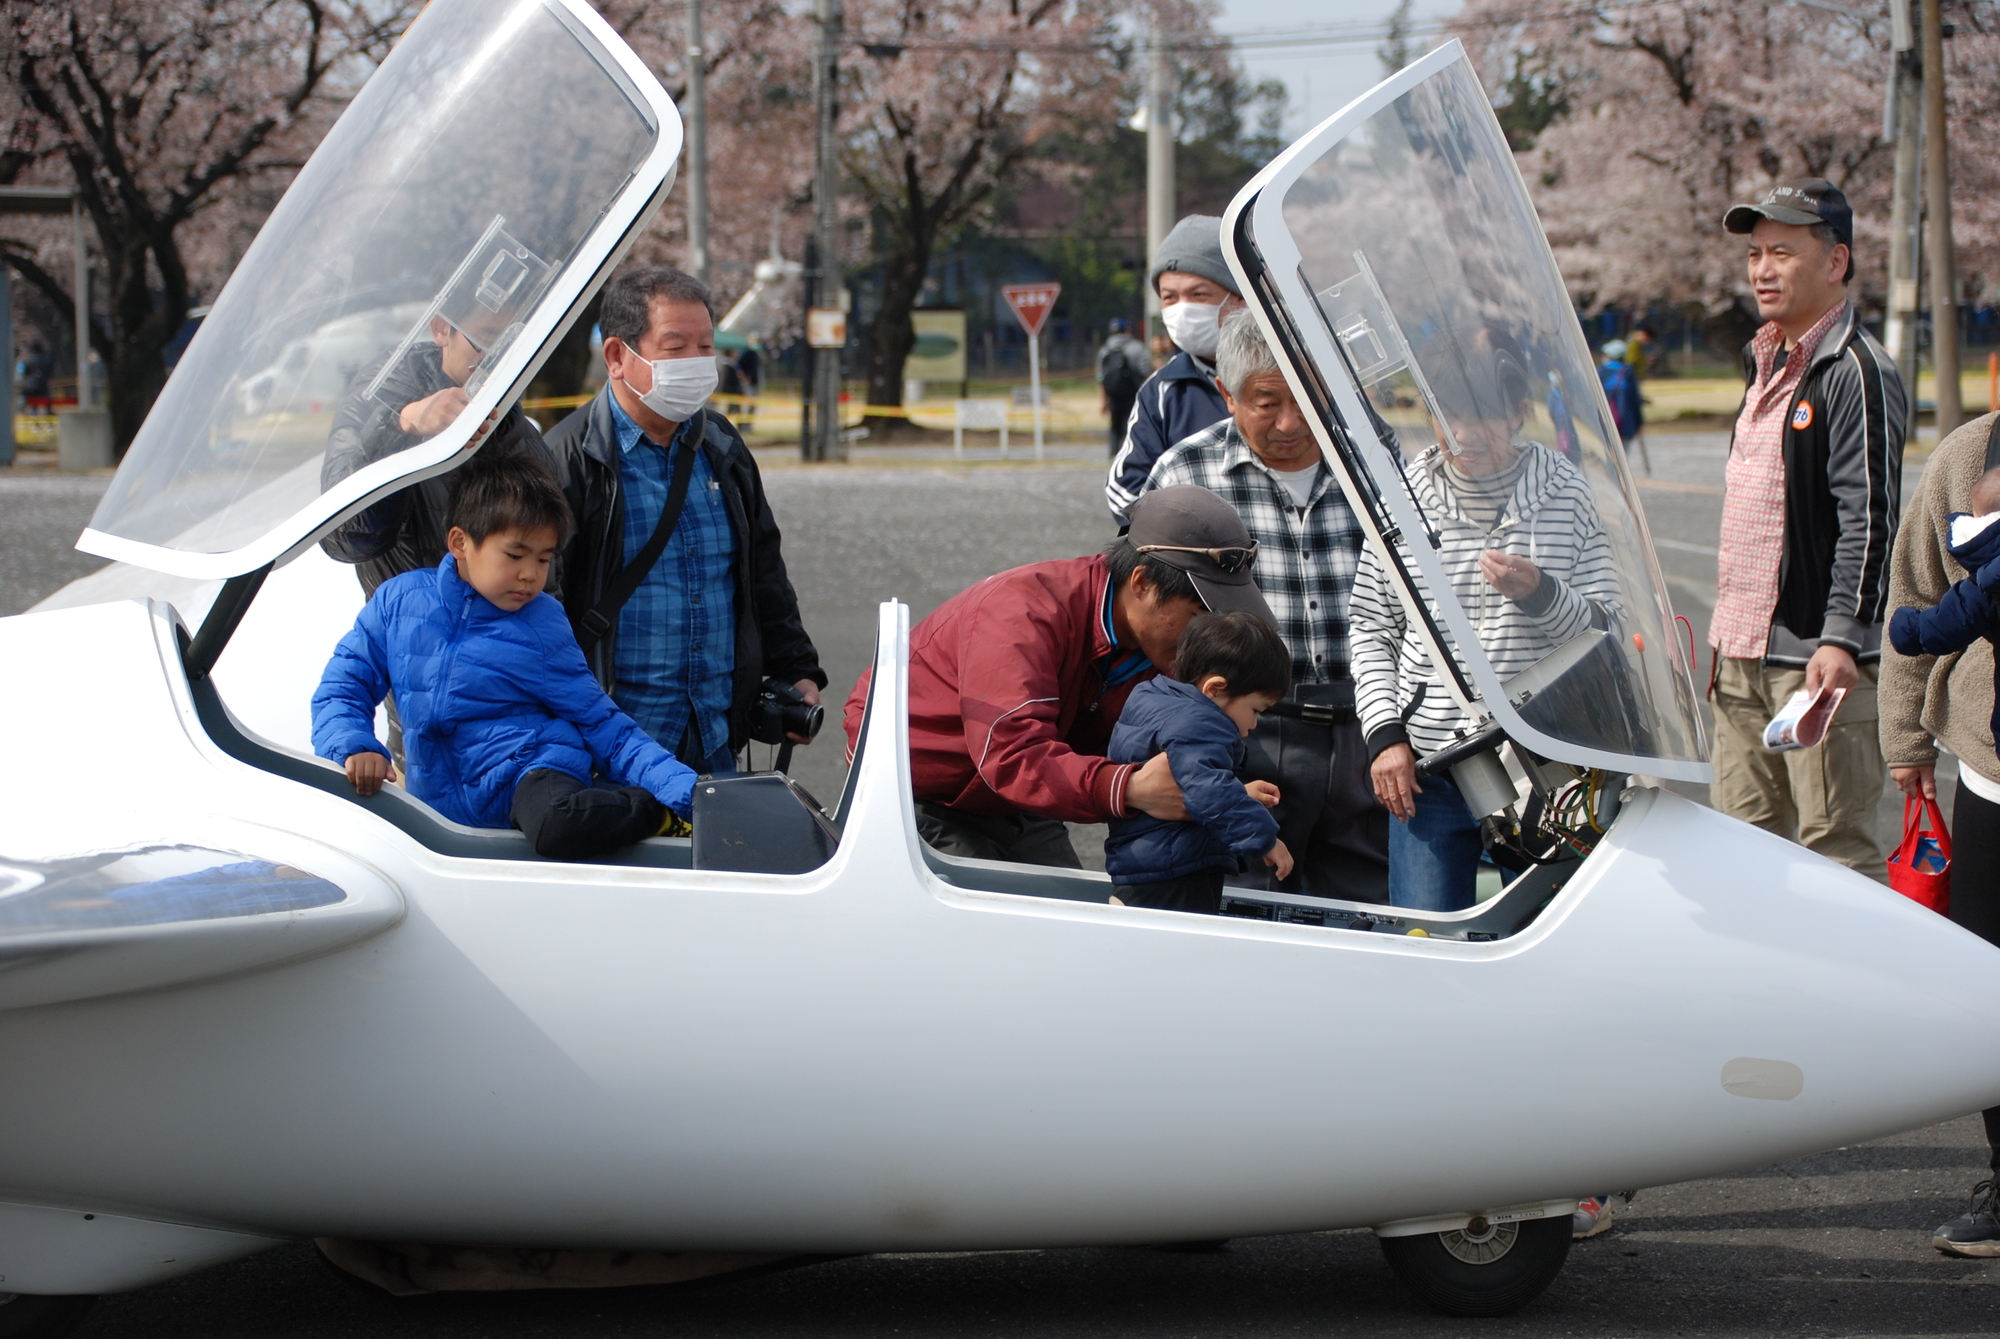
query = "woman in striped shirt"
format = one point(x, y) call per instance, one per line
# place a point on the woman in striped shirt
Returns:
point(1531, 566)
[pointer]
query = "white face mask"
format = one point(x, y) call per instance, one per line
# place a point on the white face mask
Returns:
point(1194, 326)
point(681, 386)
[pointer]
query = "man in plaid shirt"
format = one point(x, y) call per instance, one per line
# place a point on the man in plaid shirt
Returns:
point(1264, 461)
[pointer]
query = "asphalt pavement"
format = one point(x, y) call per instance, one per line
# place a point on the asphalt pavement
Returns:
point(1833, 1244)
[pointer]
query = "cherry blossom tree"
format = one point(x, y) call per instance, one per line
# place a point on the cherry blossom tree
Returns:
point(951, 103)
point(177, 122)
point(1637, 126)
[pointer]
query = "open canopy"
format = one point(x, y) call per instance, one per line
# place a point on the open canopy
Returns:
point(440, 240)
point(1396, 261)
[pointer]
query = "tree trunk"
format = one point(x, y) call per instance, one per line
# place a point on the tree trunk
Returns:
point(143, 323)
point(891, 336)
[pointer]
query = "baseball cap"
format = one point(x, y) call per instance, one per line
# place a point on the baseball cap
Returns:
point(1179, 525)
point(1615, 350)
point(1804, 201)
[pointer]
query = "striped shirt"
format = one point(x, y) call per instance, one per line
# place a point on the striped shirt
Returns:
point(676, 648)
point(1549, 519)
point(1306, 555)
point(1752, 545)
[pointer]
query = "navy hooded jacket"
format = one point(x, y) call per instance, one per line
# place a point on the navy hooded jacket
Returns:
point(1176, 402)
point(485, 697)
point(1205, 750)
point(1969, 610)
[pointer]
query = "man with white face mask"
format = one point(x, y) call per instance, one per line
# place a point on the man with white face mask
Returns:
point(684, 640)
point(1196, 290)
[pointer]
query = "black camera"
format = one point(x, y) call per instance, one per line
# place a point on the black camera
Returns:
point(783, 710)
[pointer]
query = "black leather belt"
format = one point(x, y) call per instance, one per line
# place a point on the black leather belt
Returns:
point(1326, 704)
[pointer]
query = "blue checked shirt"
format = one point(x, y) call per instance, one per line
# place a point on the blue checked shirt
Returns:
point(677, 634)
point(1306, 557)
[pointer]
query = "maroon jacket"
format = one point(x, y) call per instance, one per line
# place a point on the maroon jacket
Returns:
point(1008, 708)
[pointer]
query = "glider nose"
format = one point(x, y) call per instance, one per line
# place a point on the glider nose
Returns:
point(1782, 994)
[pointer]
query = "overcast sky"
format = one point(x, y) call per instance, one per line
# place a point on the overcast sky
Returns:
point(1321, 78)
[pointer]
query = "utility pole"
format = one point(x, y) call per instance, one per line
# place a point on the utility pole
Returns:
point(825, 442)
point(1937, 199)
point(1159, 152)
point(1902, 117)
point(697, 146)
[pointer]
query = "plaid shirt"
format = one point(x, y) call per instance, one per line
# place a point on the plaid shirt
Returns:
point(1305, 556)
point(1752, 548)
point(677, 634)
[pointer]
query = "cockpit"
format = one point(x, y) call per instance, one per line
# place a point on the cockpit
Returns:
point(1392, 259)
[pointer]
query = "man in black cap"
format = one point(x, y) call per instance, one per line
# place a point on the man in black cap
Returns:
point(1196, 291)
point(1016, 684)
point(1809, 516)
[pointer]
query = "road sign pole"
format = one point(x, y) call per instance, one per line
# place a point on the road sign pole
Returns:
point(1035, 389)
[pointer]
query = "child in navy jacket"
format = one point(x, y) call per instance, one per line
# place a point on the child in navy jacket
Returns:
point(1971, 608)
point(503, 723)
point(1231, 667)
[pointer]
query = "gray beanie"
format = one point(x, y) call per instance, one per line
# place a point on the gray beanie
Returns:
point(1194, 246)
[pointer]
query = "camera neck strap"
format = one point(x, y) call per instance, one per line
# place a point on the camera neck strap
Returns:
point(591, 628)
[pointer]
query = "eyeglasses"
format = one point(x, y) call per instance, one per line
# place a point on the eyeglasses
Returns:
point(1231, 561)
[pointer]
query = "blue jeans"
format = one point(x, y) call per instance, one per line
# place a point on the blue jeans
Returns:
point(1434, 858)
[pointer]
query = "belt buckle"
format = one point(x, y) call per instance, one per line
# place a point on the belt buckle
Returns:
point(1316, 713)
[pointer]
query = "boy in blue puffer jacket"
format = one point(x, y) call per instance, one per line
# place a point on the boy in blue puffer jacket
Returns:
point(503, 723)
point(1971, 608)
point(1231, 667)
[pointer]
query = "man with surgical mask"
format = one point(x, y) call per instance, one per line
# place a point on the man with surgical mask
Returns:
point(685, 653)
point(1196, 290)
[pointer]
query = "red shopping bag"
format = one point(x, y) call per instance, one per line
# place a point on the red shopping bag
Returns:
point(1921, 868)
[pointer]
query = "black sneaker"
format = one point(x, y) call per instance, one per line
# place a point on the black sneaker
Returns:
point(1976, 1233)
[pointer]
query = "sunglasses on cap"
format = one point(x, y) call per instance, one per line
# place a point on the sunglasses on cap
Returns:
point(1231, 561)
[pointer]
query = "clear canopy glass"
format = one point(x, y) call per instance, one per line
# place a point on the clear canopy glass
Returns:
point(410, 280)
point(1406, 269)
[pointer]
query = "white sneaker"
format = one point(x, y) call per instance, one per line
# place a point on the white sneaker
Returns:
point(1592, 1217)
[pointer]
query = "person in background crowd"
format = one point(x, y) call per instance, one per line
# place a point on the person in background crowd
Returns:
point(1016, 684)
point(1932, 701)
point(1640, 352)
point(38, 363)
point(1264, 461)
point(1196, 289)
point(1122, 367)
point(683, 647)
point(1621, 387)
point(1809, 519)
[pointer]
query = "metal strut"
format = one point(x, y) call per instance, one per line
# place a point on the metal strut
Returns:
point(231, 603)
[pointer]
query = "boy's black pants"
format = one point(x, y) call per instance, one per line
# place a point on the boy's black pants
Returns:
point(567, 820)
point(1200, 891)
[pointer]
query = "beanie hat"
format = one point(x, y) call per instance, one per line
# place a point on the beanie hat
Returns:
point(1194, 247)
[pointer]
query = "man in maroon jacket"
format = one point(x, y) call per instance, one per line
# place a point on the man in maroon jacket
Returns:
point(1016, 683)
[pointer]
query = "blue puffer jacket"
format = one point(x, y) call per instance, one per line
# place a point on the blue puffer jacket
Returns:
point(485, 697)
point(1205, 751)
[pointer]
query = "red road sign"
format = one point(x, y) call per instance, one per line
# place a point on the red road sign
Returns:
point(1032, 303)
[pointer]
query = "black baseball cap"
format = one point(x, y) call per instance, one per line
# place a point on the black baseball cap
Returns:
point(1805, 202)
point(1179, 525)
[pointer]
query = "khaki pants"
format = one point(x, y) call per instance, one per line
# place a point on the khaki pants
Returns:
point(1825, 798)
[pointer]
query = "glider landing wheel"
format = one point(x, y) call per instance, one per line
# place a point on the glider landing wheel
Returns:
point(25, 1316)
point(1482, 1269)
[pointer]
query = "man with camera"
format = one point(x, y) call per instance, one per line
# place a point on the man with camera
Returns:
point(674, 579)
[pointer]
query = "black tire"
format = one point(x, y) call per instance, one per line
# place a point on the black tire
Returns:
point(1484, 1270)
point(25, 1316)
